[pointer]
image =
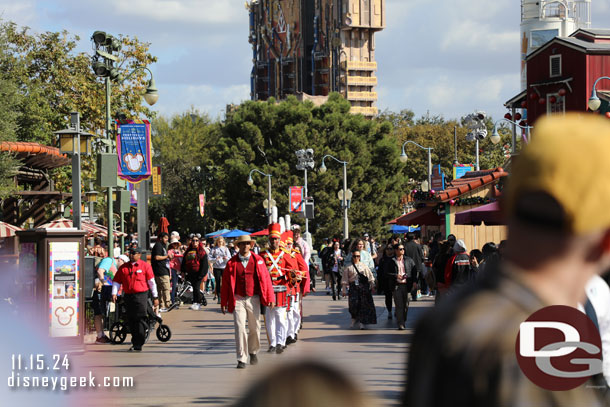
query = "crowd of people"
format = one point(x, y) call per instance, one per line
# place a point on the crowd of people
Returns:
point(555, 256)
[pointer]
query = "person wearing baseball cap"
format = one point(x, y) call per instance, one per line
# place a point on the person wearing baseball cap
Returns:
point(555, 205)
point(137, 278)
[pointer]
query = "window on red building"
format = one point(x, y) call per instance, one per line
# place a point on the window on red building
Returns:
point(555, 65)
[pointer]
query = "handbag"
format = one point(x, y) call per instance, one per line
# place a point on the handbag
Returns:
point(362, 279)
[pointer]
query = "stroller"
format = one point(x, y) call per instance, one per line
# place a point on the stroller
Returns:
point(184, 293)
point(120, 329)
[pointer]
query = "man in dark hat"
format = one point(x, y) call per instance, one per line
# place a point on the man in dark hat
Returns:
point(137, 278)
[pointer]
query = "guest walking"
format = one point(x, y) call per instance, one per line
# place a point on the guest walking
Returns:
point(219, 256)
point(360, 280)
point(404, 274)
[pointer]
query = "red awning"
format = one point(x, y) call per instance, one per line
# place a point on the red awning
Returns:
point(90, 228)
point(423, 216)
point(490, 214)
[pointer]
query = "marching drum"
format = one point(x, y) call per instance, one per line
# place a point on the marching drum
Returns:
point(280, 295)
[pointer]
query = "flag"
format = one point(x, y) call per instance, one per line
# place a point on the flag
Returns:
point(201, 204)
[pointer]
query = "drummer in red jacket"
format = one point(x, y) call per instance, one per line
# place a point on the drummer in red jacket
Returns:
point(246, 285)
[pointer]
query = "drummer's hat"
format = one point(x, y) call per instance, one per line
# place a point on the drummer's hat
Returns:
point(275, 230)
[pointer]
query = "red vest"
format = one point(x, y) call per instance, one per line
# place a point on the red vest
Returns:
point(245, 283)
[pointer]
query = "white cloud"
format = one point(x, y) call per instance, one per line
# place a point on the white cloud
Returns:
point(22, 11)
point(481, 37)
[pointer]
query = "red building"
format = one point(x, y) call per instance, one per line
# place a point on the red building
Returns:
point(561, 73)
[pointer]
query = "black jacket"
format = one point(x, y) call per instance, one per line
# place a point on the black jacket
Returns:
point(410, 269)
point(386, 267)
point(415, 252)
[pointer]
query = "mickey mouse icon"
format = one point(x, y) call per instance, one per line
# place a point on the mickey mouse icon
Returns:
point(64, 315)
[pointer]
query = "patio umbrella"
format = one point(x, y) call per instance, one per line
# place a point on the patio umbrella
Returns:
point(490, 214)
point(235, 233)
point(403, 229)
point(264, 232)
point(8, 230)
point(218, 232)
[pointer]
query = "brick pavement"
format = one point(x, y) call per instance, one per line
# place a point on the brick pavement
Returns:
point(197, 366)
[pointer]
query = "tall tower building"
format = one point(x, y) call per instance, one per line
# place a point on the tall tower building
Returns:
point(315, 47)
point(543, 20)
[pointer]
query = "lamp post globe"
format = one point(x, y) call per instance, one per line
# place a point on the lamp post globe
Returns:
point(250, 181)
point(403, 157)
point(322, 168)
point(495, 137)
point(152, 94)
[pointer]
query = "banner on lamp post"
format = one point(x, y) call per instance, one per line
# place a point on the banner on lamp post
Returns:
point(133, 146)
point(202, 204)
point(156, 181)
point(133, 194)
point(295, 198)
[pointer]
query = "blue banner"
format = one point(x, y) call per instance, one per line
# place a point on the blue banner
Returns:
point(134, 150)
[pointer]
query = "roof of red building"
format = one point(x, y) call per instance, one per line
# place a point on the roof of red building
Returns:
point(36, 155)
point(469, 182)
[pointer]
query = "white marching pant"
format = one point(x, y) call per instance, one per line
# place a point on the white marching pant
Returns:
point(294, 316)
point(277, 325)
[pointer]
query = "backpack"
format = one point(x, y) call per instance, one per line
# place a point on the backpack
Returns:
point(191, 260)
point(327, 259)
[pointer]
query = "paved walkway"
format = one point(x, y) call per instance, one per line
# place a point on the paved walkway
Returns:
point(197, 366)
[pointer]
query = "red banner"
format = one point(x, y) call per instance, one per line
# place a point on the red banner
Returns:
point(296, 199)
point(201, 204)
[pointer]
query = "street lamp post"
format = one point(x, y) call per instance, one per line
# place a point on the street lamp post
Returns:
point(73, 141)
point(403, 158)
point(103, 64)
point(305, 162)
point(594, 102)
point(495, 137)
point(251, 182)
point(478, 131)
point(344, 195)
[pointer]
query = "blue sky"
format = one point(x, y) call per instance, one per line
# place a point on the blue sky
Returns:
point(448, 58)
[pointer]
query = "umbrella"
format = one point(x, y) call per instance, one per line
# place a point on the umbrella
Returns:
point(218, 232)
point(163, 225)
point(403, 229)
point(235, 233)
point(264, 232)
point(8, 230)
point(490, 214)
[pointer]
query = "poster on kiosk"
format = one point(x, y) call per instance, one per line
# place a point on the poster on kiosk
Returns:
point(52, 261)
point(64, 288)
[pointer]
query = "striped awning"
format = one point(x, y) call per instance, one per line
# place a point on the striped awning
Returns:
point(90, 228)
point(8, 230)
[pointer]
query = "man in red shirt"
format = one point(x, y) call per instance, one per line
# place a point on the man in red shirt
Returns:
point(245, 286)
point(279, 263)
point(137, 278)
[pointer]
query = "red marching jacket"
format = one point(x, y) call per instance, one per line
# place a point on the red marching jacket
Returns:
point(227, 287)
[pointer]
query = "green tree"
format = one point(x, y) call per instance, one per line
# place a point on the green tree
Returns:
point(183, 144)
point(265, 135)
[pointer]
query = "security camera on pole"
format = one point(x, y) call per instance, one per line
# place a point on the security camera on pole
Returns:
point(306, 162)
point(478, 130)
